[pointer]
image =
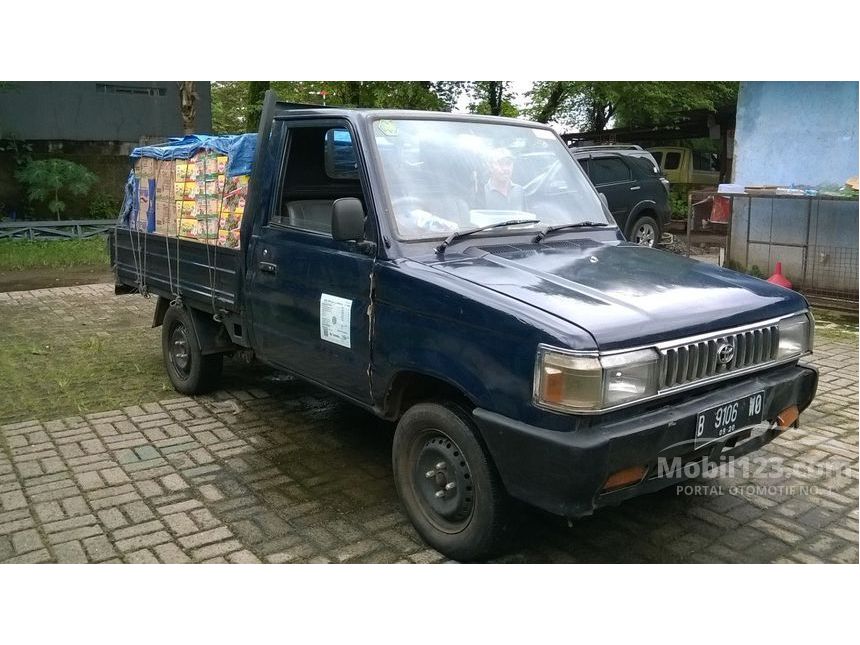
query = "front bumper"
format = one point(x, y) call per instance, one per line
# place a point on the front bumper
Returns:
point(564, 472)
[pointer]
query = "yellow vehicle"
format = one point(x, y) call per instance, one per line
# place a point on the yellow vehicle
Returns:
point(686, 167)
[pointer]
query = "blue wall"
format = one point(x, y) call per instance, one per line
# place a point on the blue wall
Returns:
point(796, 133)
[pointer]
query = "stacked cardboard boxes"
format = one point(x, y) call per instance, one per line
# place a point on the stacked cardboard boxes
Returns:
point(190, 198)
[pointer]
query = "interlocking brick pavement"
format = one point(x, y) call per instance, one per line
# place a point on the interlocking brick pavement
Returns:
point(286, 473)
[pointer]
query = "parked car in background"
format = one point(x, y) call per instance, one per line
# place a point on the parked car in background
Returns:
point(628, 149)
point(636, 193)
point(687, 168)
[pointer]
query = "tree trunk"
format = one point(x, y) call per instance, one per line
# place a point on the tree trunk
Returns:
point(188, 105)
point(495, 90)
point(553, 102)
point(256, 94)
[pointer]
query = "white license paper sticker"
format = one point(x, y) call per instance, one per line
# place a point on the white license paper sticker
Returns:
point(334, 319)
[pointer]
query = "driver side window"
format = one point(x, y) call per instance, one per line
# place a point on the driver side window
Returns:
point(320, 167)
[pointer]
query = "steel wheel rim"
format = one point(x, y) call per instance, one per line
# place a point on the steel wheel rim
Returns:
point(645, 235)
point(180, 357)
point(442, 482)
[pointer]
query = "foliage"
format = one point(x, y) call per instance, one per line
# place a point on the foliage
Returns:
point(46, 179)
point(228, 106)
point(256, 95)
point(592, 105)
point(20, 255)
point(491, 97)
point(755, 271)
point(104, 206)
point(20, 150)
point(678, 203)
point(236, 105)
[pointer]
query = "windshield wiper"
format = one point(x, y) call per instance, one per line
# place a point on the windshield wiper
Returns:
point(456, 235)
point(552, 229)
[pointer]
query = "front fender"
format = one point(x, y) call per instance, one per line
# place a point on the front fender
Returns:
point(480, 342)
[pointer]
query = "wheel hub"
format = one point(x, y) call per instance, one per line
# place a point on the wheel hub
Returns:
point(645, 235)
point(179, 355)
point(443, 479)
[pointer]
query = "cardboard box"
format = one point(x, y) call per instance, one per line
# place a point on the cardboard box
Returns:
point(188, 227)
point(164, 178)
point(186, 170)
point(231, 221)
point(207, 228)
point(185, 209)
point(146, 204)
point(222, 164)
point(165, 217)
point(185, 190)
point(144, 167)
point(228, 238)
point(211, 186)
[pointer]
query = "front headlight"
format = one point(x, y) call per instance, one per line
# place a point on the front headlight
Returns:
point(578, 382)
point(795, 336)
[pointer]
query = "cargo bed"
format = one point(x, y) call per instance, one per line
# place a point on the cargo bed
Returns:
point(205, 276)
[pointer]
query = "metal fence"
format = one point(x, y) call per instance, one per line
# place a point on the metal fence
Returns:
point(814, 238)
point(54, 230)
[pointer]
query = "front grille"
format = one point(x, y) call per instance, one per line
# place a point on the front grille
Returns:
point(696, 361)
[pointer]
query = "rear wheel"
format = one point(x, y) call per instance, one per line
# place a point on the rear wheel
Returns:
point(189, 370)
point(645, 231)
point(446, 482)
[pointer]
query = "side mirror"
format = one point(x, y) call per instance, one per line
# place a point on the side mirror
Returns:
point(604, 201)
point(347, 219)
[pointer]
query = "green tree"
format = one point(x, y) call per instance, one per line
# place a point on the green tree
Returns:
point(491, 97)
point(592, 105)
point(256, 93)
point(229, 105)
point(236, 105)
point(46, 180)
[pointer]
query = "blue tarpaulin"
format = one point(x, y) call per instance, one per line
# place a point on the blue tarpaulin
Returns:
point(239, 149)
point(240, 155)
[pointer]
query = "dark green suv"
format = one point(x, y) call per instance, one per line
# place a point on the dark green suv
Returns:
point(636, 192)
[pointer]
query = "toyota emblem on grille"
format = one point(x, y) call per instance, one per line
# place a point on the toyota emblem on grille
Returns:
point(725, 353)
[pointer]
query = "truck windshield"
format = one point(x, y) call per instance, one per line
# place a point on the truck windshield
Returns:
point(447, 176)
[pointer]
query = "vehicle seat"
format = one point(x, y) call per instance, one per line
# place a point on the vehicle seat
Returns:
point(311, 214)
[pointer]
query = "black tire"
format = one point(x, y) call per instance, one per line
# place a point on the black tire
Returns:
point(436, 445)
point(189, 371)
point(643, 228)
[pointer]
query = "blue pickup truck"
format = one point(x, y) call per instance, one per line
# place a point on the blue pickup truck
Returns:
point(524, 349)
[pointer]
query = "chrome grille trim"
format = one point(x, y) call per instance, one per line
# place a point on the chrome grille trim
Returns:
point(684, 364)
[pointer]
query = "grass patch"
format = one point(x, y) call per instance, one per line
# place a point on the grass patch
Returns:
point(21, 255)
point(75, 355)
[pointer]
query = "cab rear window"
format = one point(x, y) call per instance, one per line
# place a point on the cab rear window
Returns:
point(673, 161)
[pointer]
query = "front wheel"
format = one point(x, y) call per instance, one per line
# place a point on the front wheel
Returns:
point(645, 231)
point(189, 370)
point(446, 482)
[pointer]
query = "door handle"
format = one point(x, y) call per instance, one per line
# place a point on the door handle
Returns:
point(635, 187)
point(268, 267)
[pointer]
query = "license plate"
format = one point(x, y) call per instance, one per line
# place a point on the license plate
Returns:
point(720, 422)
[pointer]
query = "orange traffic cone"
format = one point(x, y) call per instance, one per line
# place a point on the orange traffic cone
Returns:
point(778, 278)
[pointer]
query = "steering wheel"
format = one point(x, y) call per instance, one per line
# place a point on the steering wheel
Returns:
point(406, 204)
point(537, 184)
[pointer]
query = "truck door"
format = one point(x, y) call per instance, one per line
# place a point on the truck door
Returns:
point(309, 295)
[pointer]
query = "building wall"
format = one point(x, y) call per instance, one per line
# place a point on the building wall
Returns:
point(125, 111)
point(796, 133)
point(95, 124)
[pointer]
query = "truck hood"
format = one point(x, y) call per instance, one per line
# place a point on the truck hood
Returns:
point(623, 294)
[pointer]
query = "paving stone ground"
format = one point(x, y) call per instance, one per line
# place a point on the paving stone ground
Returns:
point(286, 473)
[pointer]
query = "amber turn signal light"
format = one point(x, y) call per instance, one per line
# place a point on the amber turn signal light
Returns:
point(788, 416)
point(626, 477)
